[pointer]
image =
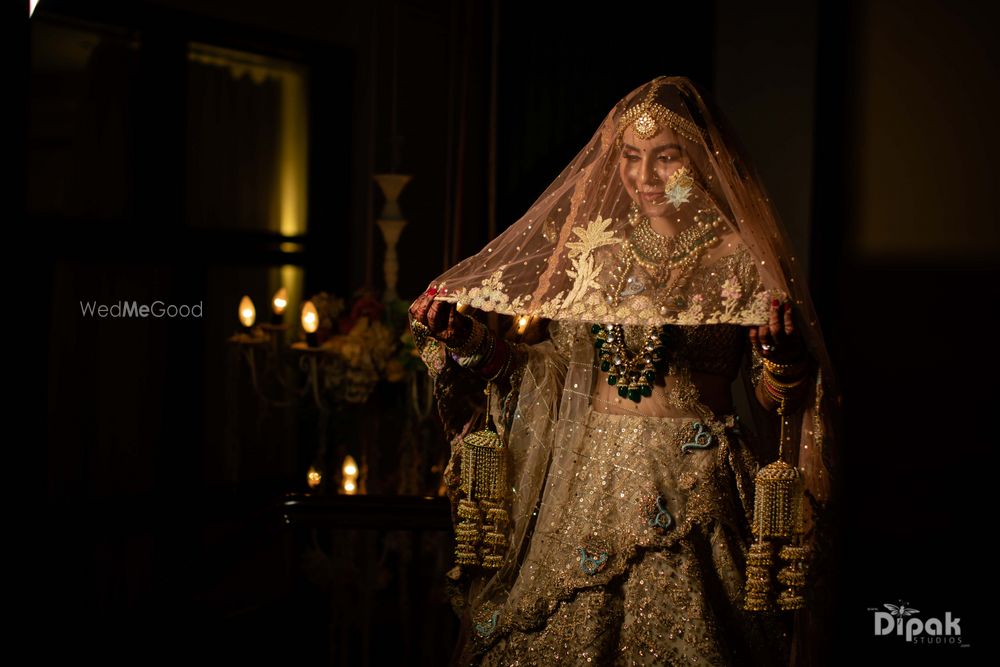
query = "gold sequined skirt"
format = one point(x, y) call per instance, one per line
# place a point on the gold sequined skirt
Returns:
point(638, 553)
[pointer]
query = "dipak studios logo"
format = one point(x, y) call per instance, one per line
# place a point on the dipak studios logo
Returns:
point(906, 622)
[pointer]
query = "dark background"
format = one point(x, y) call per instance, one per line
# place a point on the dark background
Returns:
point(872, 124)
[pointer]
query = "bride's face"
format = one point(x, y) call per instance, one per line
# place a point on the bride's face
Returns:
point(645, 166)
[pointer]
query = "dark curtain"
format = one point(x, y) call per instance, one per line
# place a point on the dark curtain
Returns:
point(99, 180)
point(233, 133)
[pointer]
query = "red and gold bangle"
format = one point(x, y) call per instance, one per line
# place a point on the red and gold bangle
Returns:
point(780, 390)
point(775, 394)
point(492, 368)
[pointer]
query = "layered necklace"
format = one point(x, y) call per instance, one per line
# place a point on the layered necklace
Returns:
point(659, 255)
point(634, 372)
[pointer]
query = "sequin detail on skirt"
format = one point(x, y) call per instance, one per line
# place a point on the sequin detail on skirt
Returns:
point(610, 579)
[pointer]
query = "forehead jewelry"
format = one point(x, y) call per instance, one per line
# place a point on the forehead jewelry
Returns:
point(648, 117)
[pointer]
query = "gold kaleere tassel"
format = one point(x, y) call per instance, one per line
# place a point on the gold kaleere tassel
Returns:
point(468, 532)
point(777, 519)
point(481, 536)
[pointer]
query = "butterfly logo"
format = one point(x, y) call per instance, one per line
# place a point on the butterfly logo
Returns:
point(899, 612)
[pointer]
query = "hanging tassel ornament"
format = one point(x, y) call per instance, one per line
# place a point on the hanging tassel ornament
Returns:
point(468, 533)
point(481, 536)
point(777, 525)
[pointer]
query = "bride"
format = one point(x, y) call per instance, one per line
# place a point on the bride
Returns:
point(604, 484)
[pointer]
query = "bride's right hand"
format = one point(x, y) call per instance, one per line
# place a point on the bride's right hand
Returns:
point(442, 318)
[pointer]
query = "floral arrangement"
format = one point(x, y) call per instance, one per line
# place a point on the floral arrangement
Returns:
point(368, 342)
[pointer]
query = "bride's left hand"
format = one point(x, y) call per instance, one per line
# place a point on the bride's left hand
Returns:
point(778, 340)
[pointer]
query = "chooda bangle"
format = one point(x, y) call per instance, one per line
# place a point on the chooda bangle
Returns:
point(482, 353)
point(472, 343)
point(780, 391)
point(494, 366)
point(505, 369)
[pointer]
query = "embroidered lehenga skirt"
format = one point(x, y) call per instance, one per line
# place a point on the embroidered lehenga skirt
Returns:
point(638, 553)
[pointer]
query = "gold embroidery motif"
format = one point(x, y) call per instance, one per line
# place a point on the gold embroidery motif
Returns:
point(728, 290)
point(584, 271)
point(491, 295)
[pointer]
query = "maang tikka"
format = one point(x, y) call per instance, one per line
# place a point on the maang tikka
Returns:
point(648, 117)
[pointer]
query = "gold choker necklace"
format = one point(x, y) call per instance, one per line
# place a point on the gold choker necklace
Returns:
point(658, 252)
point(661, 255)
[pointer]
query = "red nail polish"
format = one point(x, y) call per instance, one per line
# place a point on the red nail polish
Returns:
point(774, 304)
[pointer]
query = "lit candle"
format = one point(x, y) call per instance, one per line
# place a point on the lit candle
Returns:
point(313, 477)
point(278, 305)
point(350, 467)
point(522, 324)
point(247, 313)
point(350, 473)
point(310, 323)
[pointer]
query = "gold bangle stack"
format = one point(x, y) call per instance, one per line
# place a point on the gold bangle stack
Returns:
point(783, 381)
point(784, 371)
point(477, 349)
point(473, 342)
point(481, 354)
point(777, 384)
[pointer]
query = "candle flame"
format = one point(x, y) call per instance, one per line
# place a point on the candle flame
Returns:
point(313, 477)
point(350, 470)
point(310, 317)
point(350, 467)
point(248, 314)
point(280, 301)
